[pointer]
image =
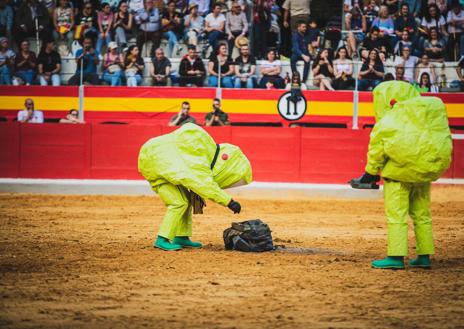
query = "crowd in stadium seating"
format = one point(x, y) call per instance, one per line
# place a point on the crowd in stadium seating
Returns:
point(107, 37)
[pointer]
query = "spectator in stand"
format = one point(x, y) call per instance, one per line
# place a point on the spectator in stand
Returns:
point(405, 22)
point(425, 85)
point(183, 116)
point(29, 114)
point(25, 63)
point(409, 63)
point(245, 69)
point(194, 26)
point(404, 42)
point(323, 71)
point(171, 23)
point(261, 24)
point(133, 65)
point(160, 69)
point(63, 20)
point(441, 4)
point(300, 50)
point(371, 11)
point(122, 25)
point(372, 71)
point(220, 59)
point(6, 19)
point(270, 70)
point(434, 47)
point(105, 23)
point(88, 58)
point(357, 27)
point(72, 117)
point(386, 27)
point(86, 23)
point(343, 70)
point(135, 6)
point(31, 14)
point(415, 7)
point(149, 26)
point(191, 69)
point(203, 6)
point(373, 41)
point(7, 57)
point(217, 117)
point(49, 65)
point(399, 73)
point(236, 25)
point(296, 11)
point(424, 66)
point(455, 21)
point(113, 64)
point(296, 83)
point(313, 35)
point(433, 19)
point(214, 26)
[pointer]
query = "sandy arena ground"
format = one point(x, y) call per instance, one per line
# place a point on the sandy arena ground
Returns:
point(87, 262)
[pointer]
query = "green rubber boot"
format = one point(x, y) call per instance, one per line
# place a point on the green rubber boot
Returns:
point(163, 243)
point(185, 242)
point(389, 262)
point(422, 261)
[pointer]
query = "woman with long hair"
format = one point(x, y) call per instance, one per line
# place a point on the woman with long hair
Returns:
point(133, 65)
point(323, 71)
point(343, 70)
point(425, 85)
point(105, 24)
point(434, 47)
point(295, 82)
point(372, 71)
point(122, 24)
point(220, 58)
point(63, 19)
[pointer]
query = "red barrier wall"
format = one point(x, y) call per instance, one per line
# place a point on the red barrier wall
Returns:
point(316, 155)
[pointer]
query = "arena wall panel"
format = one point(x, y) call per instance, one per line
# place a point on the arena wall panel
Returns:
point(54, 151)
point(310, 155)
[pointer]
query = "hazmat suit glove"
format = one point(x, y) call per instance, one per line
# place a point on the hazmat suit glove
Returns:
point(234, 206)
point(368, 178)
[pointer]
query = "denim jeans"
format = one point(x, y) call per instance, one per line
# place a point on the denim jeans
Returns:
point(27, 76)
point(55, 79)
point(364, 84)
point(250, 83)
point(101, 41)
point(113, 78)
point(5, 75)
point(226, 82)
point(213, 38)
point(134, 80)
point(172, 41)
point(120, 36)
point(293, 60)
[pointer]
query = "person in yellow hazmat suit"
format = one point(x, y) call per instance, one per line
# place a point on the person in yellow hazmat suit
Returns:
point(411, 146)
point(184, 168)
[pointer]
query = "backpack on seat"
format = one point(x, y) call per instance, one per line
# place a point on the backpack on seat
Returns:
point(249, 236)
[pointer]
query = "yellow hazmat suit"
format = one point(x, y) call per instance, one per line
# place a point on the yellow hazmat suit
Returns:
point(411, 145)
point(179, 163)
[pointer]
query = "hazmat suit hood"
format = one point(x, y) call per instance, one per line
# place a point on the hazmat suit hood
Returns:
point(411, 142)
point(389, 92)
point(184, 157)
point(232, 167)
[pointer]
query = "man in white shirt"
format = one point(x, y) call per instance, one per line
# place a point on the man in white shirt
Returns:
point(214, 26)
point(408, 62)
point(455, 21)
point(29, 114)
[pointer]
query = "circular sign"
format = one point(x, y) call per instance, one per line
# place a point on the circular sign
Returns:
point(292, 107)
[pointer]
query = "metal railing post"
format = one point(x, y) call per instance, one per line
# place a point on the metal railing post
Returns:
point(355, 99)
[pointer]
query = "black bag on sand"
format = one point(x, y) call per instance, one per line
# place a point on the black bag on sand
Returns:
point(250, 235)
